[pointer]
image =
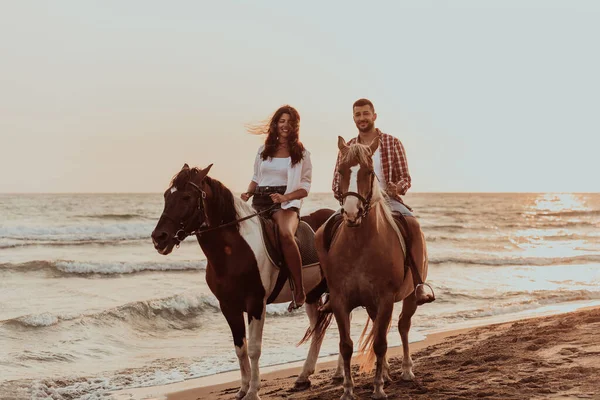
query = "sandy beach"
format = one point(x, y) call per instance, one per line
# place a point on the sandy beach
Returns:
point(552, 357)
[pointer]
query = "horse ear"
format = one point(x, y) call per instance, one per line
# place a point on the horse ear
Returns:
point(341, 143)
point(204, 172)
point(374, 145)
point(185, 166)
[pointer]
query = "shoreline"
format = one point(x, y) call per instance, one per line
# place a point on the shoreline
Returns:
point(208, 387)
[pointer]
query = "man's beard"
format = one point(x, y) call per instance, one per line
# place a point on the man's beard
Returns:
point(367, 128)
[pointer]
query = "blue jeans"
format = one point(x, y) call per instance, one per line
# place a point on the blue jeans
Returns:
point(396, 206)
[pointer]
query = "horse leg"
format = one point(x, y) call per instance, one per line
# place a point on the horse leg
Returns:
point(342, 318)
point(235, 319)
point(380, 329)
point(303, 381)
point(386, 370)
point(256, 322)
point(338, 376)
point(409, 306)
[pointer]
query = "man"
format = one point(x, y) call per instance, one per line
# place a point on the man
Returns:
point(391, 169)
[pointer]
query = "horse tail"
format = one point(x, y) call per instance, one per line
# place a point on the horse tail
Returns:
point(366, 352)
point(323, 322)
point(315, 294)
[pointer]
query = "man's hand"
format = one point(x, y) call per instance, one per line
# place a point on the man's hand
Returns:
point(246, 196)
point(278, 198)
point(392, 189)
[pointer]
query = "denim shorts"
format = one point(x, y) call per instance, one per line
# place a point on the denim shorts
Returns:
point(262, 200)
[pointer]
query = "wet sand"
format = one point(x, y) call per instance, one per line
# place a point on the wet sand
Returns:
point(554, 357)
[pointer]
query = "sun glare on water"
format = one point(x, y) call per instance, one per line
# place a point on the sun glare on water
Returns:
point(552, 221)
point(551, 203)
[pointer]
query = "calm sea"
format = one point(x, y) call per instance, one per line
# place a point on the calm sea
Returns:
point(87, 306)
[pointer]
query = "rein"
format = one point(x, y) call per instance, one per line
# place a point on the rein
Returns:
point(183, 233)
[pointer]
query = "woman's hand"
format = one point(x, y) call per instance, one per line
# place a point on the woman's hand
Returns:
point(246, 196)
point(278, 198)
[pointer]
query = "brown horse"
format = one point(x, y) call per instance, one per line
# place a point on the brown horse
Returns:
point(365, 266)
point(239, 271)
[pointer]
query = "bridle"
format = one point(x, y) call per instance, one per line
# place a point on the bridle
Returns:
point(184, 227)
point(366, 201)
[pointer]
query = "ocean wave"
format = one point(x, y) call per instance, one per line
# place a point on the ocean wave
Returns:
point(101, 386)
point(103, 268)
point(537, 261)
point(57, 243)
point(567, 213)
point(79, 232)
point(505, 239)
point(170, 308)
point(173, 312)
point(447, 227)
point(115, 216)
point(550, 224)
point(524, 301)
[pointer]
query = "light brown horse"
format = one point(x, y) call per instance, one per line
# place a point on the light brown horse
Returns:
point(365, 266)
point(239, 271)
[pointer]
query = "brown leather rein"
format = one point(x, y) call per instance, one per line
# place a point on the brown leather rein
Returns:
point(184, 230)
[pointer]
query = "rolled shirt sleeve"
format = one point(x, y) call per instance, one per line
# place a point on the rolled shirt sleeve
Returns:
point(335, 185)
point(401, 168)
point(299, 177)
point(306, 175)
point(257, 160)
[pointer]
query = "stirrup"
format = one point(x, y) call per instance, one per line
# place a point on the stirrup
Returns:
point(325, 307)
point(430, 300)
point(293, 305)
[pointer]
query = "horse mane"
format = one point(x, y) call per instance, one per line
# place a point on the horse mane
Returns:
point(183, 177)
point(362, 154)
point(221, 204)
point(358, 152)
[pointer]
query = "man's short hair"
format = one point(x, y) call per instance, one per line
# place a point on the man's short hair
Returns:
point(363, 102)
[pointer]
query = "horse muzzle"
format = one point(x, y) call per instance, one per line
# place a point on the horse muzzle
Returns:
point(162, 242)
point(353, 219)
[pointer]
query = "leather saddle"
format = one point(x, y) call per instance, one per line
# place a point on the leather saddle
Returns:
point(305, 238)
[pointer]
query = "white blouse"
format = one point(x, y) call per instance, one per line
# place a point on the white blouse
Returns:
point(273, 172)
point(299, 176)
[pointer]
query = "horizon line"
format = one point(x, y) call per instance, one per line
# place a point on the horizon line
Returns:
point(408, 194)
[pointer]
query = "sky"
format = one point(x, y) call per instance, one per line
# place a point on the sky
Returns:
point(115, 96)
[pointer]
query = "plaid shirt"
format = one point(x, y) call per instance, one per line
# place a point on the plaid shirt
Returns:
point(393, 162)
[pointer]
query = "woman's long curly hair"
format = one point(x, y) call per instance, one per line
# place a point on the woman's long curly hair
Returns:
point(272, 140)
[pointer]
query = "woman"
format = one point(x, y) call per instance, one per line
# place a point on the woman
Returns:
point(282, 177)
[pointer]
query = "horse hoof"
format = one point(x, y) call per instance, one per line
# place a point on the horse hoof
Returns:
point(240, 395)
point(251, 396)
point(338, 378)
point(407, 376)
point(379, 396)
point(299, 386)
